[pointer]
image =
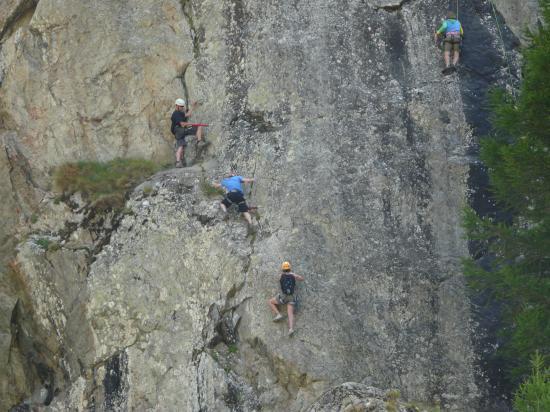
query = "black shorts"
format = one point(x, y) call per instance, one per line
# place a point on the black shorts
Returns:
point(235, 198)
point(181, 142)
point(181, 132)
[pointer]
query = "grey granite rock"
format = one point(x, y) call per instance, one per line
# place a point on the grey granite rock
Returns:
point(358, 146)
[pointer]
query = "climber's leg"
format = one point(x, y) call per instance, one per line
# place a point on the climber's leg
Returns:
point(290, 312)
point(456, 53)
point(273, 302)
point(248, 218)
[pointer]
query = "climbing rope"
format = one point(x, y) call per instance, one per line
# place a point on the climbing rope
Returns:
point(509, 82)
point(252, 188)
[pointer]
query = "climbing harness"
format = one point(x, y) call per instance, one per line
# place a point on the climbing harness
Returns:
point(231, 201)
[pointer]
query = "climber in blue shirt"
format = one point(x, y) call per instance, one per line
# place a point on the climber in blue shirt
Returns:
point(452, 30)
point(232, 184)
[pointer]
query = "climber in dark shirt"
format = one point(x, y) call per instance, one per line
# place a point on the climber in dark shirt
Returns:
point(182, 128)
point(287, 297)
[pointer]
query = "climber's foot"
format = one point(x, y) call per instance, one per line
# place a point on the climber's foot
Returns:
point(448, 70)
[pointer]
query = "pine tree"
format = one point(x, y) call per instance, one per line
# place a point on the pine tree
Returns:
point(533, 395)
point(517, 157)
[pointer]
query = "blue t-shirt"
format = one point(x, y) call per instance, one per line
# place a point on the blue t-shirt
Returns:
point(451, 26)
point(233, 183)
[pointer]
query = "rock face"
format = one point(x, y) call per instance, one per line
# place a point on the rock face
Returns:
point(357, 144)
point(519, 15)
point(354, 397)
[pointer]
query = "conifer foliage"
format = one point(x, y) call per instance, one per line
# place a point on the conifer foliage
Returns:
point(517, 157)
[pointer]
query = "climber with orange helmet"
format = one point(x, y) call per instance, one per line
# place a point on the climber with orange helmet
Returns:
point(287, 297)
point(182, 128)
point(452, 31)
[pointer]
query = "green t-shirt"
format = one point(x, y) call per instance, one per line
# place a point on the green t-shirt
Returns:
point(450, 25)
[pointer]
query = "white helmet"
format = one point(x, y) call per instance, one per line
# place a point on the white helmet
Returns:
point(180, 102)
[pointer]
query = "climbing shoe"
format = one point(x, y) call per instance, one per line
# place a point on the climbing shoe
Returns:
point(290, 332)
point(251, 230)
point(179, 164)
point(277, 318)
point(448, 70)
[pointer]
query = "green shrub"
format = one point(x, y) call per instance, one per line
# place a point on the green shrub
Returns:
point(232, 348)
point(533, 395)
point(517, 239)
point(147, 190)
point(210, 190)
point(47, 244)
point(104, 184)
point(391, 400)
point(43, 242)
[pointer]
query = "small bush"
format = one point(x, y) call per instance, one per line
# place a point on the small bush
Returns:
point(147, 190)
point(534, 394)
point(210, 190)
point(34, 218)
point(43, 243)
point(391, 400)
point(232, 348)
point(47, 244)
point(104, 184)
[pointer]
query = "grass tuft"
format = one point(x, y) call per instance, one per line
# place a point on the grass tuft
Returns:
point(147, 190)
point(47, 244)
point(104, 184)
point(391, 400)
point(210, 190)
point(43, 242)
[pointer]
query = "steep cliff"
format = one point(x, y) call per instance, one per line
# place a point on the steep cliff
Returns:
point(358, 146)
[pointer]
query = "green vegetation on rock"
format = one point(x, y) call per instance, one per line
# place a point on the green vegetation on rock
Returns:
point(517, 157)
point(48, 244)
point(391, 400)
point(104, 184)
point(210, 190)
point(534, 394)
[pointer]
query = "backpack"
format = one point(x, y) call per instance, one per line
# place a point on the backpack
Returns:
point(288, 282)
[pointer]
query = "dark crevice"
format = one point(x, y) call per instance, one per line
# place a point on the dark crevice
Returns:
point(187, 9)
point(114, 382)
point(482, 68)
point(19, 169)
point(39, 361)
point(21, 10)
point(393, 7)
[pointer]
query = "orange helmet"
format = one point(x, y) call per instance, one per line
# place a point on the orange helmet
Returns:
point(285, 266)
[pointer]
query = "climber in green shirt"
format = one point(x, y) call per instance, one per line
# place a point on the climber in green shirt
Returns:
point(452, 31)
